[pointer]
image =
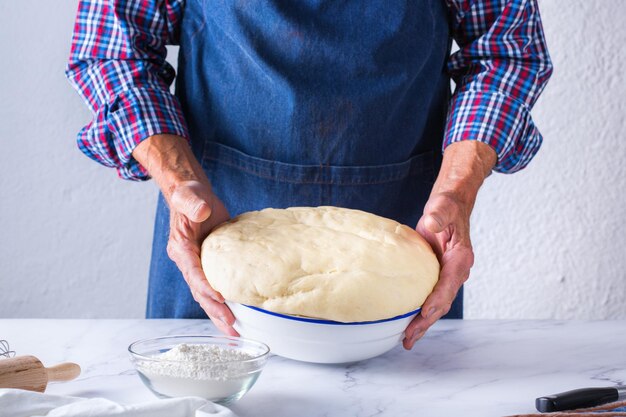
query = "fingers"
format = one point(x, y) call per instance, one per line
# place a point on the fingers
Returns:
point(188, 262)
point(194, 211)
point(211, 301)
point(422, 322)
point(224, 328)
point(191, 198)
point(416, 329)
point(445, 225)
point(191, 211)
point(454, 272)
point(440, 211)
point(185, 253)
point(219, 313)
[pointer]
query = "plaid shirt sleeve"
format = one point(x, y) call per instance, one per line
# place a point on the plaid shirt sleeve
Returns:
point(117, 64)
point(500, 69)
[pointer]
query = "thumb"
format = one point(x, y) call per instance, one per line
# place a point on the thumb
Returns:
point(191, 198)
point(439, 213)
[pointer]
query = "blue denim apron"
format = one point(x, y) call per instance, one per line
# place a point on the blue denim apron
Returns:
point(308, 103)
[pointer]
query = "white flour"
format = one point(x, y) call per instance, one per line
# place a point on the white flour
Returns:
point(207, 371)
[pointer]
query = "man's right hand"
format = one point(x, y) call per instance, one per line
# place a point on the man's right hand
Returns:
point(194, 212)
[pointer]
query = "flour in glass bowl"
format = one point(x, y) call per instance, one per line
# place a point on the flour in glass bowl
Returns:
point(207, 371)
point(200, 362)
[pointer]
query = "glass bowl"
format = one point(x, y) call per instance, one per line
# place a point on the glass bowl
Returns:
point(219, 381)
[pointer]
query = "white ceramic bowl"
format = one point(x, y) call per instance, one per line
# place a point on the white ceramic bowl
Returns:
point(221, 382)
point(319, 341)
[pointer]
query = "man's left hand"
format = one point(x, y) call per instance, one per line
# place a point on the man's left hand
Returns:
point(445, 225)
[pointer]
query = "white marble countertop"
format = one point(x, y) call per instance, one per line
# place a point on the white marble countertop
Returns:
point(461, 368)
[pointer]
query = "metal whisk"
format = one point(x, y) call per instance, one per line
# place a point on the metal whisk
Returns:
point(5, 350)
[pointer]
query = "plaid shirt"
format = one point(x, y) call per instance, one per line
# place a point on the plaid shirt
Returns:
point(117, 64)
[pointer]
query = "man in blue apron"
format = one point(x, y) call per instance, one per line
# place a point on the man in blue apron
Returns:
point(309, 103)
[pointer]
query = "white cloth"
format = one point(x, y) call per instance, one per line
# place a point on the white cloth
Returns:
point(20, 403)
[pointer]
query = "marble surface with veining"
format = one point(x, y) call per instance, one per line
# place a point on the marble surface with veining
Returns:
point(460, 368)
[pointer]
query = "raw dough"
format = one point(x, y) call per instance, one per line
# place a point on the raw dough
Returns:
point(324, 262)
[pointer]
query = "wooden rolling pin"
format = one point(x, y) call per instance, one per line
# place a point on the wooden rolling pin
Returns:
point(27, 372)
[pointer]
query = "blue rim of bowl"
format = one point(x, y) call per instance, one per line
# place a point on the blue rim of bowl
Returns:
point(336, 323)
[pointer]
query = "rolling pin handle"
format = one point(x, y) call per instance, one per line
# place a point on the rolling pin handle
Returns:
point(63, 371)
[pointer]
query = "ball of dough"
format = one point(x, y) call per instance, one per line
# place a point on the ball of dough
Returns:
point(323, 262)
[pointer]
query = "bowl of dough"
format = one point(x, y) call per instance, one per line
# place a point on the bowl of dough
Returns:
point(320, 284)
point(218, 368)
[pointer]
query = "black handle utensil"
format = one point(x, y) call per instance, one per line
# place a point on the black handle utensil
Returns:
point(580, 398)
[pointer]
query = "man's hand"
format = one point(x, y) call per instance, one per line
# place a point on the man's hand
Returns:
point(194, 212)
point(445, 225)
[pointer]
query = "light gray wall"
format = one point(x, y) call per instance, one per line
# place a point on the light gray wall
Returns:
point(75, 240)
point(549, 241)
